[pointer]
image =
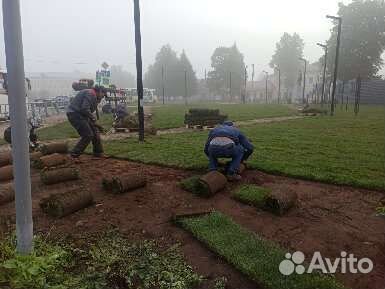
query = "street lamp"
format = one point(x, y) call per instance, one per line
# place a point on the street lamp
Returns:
point(279, 82)
point(244, 94)
point(304, 80)
point(325, 47)
point(139, 69)
point(339, 19)
point(267, 75)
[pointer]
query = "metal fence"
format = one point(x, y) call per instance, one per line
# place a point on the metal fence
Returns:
point(35, 109)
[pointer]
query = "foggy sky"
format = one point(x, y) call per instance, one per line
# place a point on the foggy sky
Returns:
point(68, 35)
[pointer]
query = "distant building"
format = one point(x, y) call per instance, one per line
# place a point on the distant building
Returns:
point(49, 85)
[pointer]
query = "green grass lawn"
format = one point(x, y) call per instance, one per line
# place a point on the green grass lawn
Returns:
point(257, 258)
point(172, 116)
point(343, 149)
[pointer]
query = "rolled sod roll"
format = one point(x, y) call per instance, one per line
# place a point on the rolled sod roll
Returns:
point(48, 161)
point(107, 184)
point(5, 158)
point(214, 181)
point(7, 194)
point(127, 182)
point(35, 156)
point(55, 176)
point(6, 173)
point(61, 148)
point(63, 204)
point(280, 202)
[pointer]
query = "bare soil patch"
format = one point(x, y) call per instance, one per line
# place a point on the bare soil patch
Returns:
point(328, 218)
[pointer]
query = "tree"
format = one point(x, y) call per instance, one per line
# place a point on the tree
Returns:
point(227, 62)
point(174, 75)
point(185, 65)
point(122, 78)
point(288, 51)
point(362, 39)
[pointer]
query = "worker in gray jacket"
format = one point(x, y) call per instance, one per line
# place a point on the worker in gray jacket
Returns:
point(80, 114)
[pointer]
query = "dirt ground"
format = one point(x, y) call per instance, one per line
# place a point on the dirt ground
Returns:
point(328, 218)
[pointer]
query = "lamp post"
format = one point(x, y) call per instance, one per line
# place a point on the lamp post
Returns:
point(279, 83)
point(244, 94)
point(139, 69)
point(267, 75)
point(325, 47)
point(18, 113)
point(162, 84)
point(339, 19)
point(304, 80)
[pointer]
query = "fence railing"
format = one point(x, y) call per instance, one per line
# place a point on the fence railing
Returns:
point(41, 109)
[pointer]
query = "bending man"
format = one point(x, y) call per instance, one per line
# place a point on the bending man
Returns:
point(80, 115)
point(227, 141)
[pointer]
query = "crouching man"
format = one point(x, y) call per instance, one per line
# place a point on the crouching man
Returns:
point(227, 141)
point(81, 117)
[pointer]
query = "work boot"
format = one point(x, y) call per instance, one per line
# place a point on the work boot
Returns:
point(100, 156)
point(234, 178)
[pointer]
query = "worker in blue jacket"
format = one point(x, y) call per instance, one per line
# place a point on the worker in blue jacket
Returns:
point(80, 114)
point(227, 141)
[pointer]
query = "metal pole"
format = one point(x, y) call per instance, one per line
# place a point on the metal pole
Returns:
point(244, 95)
point(279, 84)
point(336, 62)
point(185, 87)
point(139, 70)
point(266, 86)
point(252, 77)
point(163, 83)
point(324, 77)
point(304, 81)
point(18, 114)
point(231, 96)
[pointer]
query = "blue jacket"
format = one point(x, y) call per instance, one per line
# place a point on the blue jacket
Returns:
point(84, 103)
point(231, 132)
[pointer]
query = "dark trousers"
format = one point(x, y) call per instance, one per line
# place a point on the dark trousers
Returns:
point(88, 133)
point(235, 152)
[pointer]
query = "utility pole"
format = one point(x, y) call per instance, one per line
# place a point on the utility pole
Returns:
point(163, 84)
point(267, 75)
point(339, 19)
point(279, 84)
point(304, 80)
point(325, 47)
point(185, 86)
point(252, 76)
point(244, 95)
point(231, 96)
point(18, 113)
point(139, 69)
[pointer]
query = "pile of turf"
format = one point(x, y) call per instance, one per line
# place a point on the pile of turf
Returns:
point(6, 173)
point(63, 204)
point(60, 147)
point(48, 161)
point(277, 202)
point(124, 183)
point(204, 117)
point(7, 193)
point(206, 185)
point(5, 158)
point(60, 175)
point(252, 195)
point(314, 110)
point(257, 258)
point(193, 185)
